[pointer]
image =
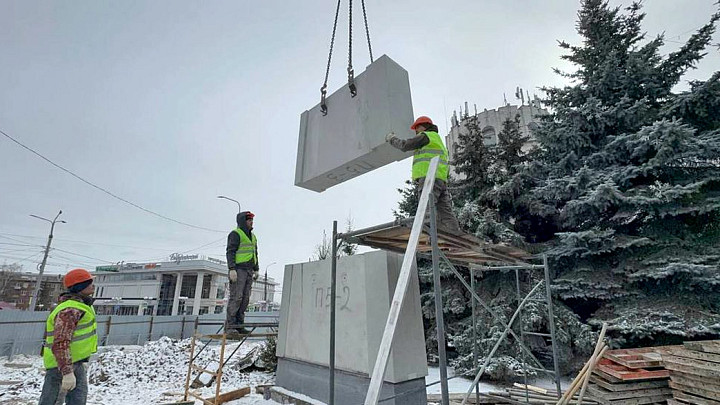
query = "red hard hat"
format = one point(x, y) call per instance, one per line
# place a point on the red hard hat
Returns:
point(76, 276)
point(421, 120)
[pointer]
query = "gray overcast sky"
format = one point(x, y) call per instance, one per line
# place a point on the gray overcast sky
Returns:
point(170, 103)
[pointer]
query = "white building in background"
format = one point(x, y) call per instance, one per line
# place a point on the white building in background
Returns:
point(186, 285)
point(491, 123)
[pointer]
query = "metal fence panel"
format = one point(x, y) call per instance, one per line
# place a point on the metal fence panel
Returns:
point(22, 332)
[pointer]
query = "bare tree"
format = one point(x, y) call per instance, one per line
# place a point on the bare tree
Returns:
point(323, 250)
point(7, 272)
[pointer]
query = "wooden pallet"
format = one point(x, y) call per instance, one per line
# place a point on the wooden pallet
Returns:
point(623, 373)
point(706, 346)
point(694, 372)
point(629, 386)
point(643, 357)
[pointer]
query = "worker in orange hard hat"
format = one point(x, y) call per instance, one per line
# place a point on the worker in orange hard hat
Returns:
point(427, 145)
point(70, 340)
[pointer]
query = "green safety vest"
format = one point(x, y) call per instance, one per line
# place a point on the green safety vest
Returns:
point(84, 341)
point(247, 251)
point(422, 157)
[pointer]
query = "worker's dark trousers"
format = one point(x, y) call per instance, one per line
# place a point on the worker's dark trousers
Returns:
point(239, 296)
point(443, 203)
point(51, 387)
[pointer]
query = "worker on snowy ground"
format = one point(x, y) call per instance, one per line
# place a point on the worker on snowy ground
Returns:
point(242, 259)
point(428, 144)
point(70, 339)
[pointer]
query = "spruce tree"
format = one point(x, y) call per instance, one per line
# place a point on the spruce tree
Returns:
point(627, 177)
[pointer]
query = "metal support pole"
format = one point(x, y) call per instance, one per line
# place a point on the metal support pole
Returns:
point(333, 298)
point(551, 320)
point(437, 287)
point(474, 326)
point(522, 331)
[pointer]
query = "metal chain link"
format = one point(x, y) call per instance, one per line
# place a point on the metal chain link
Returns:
point(323, 89)
point(350, 71)
point(367, 31)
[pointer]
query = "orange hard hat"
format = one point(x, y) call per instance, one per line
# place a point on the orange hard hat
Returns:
point(76, 276)
point(421, 120)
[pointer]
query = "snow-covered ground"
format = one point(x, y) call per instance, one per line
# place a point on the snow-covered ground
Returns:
point(155, 374)
point(150, 374)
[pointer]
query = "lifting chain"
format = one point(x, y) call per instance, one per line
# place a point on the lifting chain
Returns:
point(350, 71)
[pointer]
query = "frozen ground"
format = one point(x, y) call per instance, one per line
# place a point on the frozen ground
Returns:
point(155, 374)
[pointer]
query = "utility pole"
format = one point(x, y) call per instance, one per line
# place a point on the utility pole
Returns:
point(265, 295)
point(36, 292)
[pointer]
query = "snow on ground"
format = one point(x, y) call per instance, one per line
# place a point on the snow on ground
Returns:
point(155, 374)
point(148, 374)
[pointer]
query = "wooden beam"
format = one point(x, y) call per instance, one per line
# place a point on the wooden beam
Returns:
point(378, 374)
point(228, 396)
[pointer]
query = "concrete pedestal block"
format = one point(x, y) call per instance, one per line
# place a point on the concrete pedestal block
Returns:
point(350, 388)
point(350, 139)
point(365, 287)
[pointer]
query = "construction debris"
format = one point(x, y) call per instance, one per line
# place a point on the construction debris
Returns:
point(694, 372)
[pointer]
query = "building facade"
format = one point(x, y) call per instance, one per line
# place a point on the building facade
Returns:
point(186, 285)
point(17, 288)
point(491, 123)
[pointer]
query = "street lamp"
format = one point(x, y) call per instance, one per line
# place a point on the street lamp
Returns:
point(36, 292)
point(231, 199)
point(265, 295)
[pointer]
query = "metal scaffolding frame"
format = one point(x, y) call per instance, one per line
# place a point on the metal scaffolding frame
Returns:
point(436, 255)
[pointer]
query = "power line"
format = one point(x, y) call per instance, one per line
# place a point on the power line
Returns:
point(78, 254)
point(104, 190)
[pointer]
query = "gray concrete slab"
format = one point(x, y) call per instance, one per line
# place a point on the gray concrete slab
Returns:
point(350, 140)
point(365, 286)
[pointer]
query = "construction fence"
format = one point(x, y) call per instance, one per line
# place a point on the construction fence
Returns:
point(21, 332)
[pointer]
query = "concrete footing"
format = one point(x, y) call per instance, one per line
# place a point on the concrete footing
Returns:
point(350, 388)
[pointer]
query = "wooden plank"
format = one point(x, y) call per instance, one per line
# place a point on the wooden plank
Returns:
point(600, 392)
point(707, 346)
point(690, 382)
point(693, 354)
point(634, 401)
point(628, 386)
point(698, 379)
point(229, 396)
point(715, 396)
point(607, 377)
point(378, 373)
point(692, 399)
point(705, 369)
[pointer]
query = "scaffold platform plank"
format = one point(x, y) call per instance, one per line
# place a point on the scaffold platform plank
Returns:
point(459, 248)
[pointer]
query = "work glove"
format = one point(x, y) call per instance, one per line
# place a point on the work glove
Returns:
point(389, 137)
point(232, 276)
point(68, 382)
point(256, 274)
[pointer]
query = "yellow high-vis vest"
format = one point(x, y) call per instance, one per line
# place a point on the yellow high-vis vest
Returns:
point(84, 340)
point(247, 250)
point(422, 157)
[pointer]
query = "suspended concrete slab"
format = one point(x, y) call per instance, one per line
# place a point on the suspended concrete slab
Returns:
point(350, 140)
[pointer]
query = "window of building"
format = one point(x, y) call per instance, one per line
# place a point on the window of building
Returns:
point(219, 309)
point(167, 293)
point(189, 310)
point(203, 310)
point(221, 291)
point(207, 281)
point(489, 135)
point(188, 285)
